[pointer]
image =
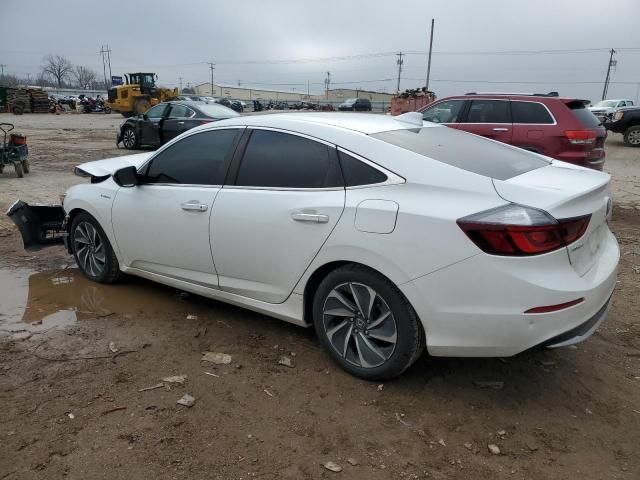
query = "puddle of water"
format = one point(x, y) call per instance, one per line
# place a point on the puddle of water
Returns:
point(37, 302)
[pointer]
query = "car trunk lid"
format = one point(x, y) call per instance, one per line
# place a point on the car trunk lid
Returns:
point(566, 191)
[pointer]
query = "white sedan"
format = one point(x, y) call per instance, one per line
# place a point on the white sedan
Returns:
point(383, 233)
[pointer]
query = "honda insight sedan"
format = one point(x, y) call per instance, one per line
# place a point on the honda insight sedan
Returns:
point(385, 234)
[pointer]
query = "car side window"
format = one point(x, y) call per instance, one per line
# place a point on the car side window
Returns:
point(489, 111)
point(282, 160)
point(447, 111)
point(157, 111)
point(198, 159)
point(178, 111)
point(357, 173)
point(530, 112)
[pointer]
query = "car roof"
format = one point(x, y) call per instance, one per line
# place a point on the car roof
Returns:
point(366, 123)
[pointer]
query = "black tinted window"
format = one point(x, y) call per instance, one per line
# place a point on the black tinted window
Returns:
point(275, 159)
point(489, 111)
point(585, 116)
point(179, 111)
point(444, 112)
point(530, 112)
point(157, 111)
point(199, 159)
point(468, 152)
point(356, 172)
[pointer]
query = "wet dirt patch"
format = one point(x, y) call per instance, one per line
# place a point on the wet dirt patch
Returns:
point(37, 302)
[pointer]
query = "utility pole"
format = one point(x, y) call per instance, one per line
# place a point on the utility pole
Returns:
point(612, 63)
point(2, 67)
point(212, 66)
point(180, 80)
point(327, 82)
point(308, 97)
point(109, 62)
point(104, 65)
point(400, 62)
point(429, 61)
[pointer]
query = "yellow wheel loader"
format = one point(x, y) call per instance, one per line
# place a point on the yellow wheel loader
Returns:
point(138, 94)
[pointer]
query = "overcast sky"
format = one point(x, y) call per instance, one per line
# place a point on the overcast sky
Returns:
point(175, 39)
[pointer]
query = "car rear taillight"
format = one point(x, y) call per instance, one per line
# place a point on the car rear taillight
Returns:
point(202, 122)
point(581, 137)
point(515, 230)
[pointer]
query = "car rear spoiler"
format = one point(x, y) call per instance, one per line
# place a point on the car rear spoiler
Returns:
point(40, 225)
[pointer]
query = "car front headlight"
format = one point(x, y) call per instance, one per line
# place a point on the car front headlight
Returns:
point(618, 116)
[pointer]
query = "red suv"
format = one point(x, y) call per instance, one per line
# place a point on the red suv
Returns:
point(560, 128)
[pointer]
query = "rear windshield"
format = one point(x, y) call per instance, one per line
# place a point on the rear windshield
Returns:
point(584, 116)
point(468, 152)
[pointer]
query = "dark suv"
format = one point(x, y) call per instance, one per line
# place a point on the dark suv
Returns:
point(627, 122)
point(561, 128)
point(355, 105)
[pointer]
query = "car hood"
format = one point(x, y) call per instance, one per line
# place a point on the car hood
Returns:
point(109, 166)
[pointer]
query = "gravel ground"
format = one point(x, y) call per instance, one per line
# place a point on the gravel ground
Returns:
point(73, 408)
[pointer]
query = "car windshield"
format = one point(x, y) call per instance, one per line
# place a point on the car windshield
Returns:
point(606, 103)
point(350, 100)
point(217, 111)
point(469, 152)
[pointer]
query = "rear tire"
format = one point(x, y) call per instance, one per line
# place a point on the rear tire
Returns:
point(92, 250)
point(366, 324)
point(632, 136)
point(19, 170)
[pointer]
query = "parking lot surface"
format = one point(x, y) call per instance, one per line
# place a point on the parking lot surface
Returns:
point(82, 368)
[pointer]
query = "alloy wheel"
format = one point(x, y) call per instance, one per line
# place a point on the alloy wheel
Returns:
point(359, 325)
point(129, 138)
point(90, 249)
point(634, 137)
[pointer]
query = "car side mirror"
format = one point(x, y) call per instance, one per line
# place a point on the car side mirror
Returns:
point(126, 177)
point(145, 116)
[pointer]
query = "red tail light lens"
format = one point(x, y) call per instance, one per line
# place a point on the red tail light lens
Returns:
point(555, 308)
point(581, 137)
point(521, 231)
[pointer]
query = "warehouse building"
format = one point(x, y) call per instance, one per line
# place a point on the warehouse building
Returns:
point(248, 94)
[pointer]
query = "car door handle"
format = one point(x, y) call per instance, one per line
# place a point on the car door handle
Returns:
point(500, 129)
point(310, 217)
point(180, 123)
point(194, 206)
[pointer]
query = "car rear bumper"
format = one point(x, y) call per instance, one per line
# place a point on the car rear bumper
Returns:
point(475, 308)
point(588, 158)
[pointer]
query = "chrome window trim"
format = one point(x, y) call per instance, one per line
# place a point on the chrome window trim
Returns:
point(179, 185)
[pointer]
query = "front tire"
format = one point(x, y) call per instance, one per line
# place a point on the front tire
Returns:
point(366, 324)
point(129, 138)
point(632, 136)
point(92, 250)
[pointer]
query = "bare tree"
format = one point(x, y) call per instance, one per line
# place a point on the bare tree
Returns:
point(57, 68)
point(84, 76)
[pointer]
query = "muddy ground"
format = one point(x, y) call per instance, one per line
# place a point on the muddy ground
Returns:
point(71, 408)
